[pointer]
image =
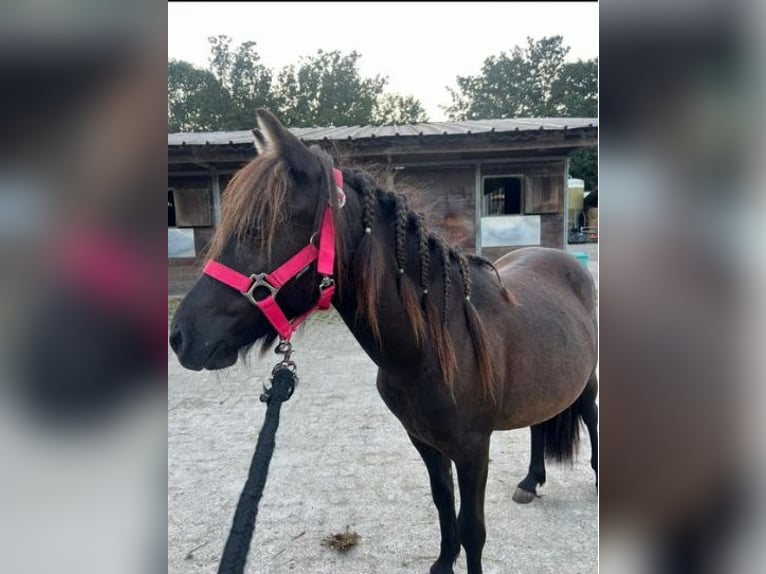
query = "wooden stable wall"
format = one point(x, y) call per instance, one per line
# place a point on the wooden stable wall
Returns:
point(445, 195)
point(182, 273)
point(193, 206)
point(543, 190)
point(194, 210)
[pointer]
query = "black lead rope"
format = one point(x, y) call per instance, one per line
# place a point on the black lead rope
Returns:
point(283, 381)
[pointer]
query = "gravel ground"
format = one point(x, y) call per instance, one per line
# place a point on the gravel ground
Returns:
point(342, 459)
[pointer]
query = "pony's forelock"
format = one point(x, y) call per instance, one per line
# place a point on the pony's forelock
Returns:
point(254, 203)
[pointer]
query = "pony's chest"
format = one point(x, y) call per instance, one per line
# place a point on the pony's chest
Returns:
point(425, 411)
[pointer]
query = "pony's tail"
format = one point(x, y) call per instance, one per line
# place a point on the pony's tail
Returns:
point(481, 347)
point(561, 434)
point(368, 277)
point(442, 343)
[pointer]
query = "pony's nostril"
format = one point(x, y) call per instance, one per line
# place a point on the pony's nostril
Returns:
point(176, 340)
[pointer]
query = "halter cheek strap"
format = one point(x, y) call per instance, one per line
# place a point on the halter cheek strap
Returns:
point(324, 255)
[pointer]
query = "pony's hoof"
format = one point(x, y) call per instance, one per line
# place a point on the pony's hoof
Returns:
point(523, 496)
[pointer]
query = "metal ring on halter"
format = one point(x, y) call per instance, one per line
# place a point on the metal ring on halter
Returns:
point(283, 348)
point(326, 283)
point(341, 197)
point(260, 280)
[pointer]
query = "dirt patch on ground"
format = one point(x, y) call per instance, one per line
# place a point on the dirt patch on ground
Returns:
point(342, 541)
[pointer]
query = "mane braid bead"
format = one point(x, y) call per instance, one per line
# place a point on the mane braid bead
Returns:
point(408, 293)
point(367, 258)
point(423, 252)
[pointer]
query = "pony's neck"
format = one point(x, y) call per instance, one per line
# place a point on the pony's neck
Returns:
point(396, 345)
point(402, 289)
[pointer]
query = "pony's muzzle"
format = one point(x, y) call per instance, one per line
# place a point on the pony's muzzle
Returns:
point(176, 340)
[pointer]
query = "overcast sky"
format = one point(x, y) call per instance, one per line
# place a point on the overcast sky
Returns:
point(421, 47)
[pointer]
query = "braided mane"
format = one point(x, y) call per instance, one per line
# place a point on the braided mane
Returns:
point(424, 319)
point(247, 208)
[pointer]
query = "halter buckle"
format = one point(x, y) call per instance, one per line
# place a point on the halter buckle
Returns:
point(260, 280)
point(326, 283)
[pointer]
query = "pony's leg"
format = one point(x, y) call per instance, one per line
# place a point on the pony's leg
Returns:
point(526, 491)
point(472, 480)
point(443, 490)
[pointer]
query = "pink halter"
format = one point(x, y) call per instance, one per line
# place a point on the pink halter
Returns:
point(274, 281)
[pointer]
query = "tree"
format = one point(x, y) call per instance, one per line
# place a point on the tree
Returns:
point(328, 89)
point(246, 81)
point(533, 81)
point(583, 164)
point(323, 89)
point(196, 101)
point(575, 90)
point(576, 93)
point(397, 109)
point(517, 85)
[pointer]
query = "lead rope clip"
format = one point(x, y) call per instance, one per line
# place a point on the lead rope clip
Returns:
point(285, 370)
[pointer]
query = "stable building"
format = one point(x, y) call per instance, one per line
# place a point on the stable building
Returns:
point(489, 186)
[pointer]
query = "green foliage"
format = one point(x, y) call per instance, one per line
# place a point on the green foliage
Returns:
point(397, 109)
point(583, 164)
point(244, 78)
point(327, 89)
point(575, 90)
point(323, 89)
point(196, 101)
point(533, 81)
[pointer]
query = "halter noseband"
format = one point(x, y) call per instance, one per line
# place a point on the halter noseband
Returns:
point(324, 255)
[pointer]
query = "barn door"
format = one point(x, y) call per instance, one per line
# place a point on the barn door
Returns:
point(193, 207)
point(543, 194)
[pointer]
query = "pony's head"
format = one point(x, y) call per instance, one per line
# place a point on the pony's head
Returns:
point(271, 209)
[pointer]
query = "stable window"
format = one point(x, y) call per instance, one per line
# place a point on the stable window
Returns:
point(502, 196)
point(180, 241)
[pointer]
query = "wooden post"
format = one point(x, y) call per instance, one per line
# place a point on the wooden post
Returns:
point(566, 202)
point(477, 208)
point(215, 185)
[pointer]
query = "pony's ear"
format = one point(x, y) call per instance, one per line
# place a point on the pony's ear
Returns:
point(276, 136)
point(278, 140)
point(260, 141)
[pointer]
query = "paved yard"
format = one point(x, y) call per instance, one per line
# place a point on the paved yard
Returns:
point(343, 459)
